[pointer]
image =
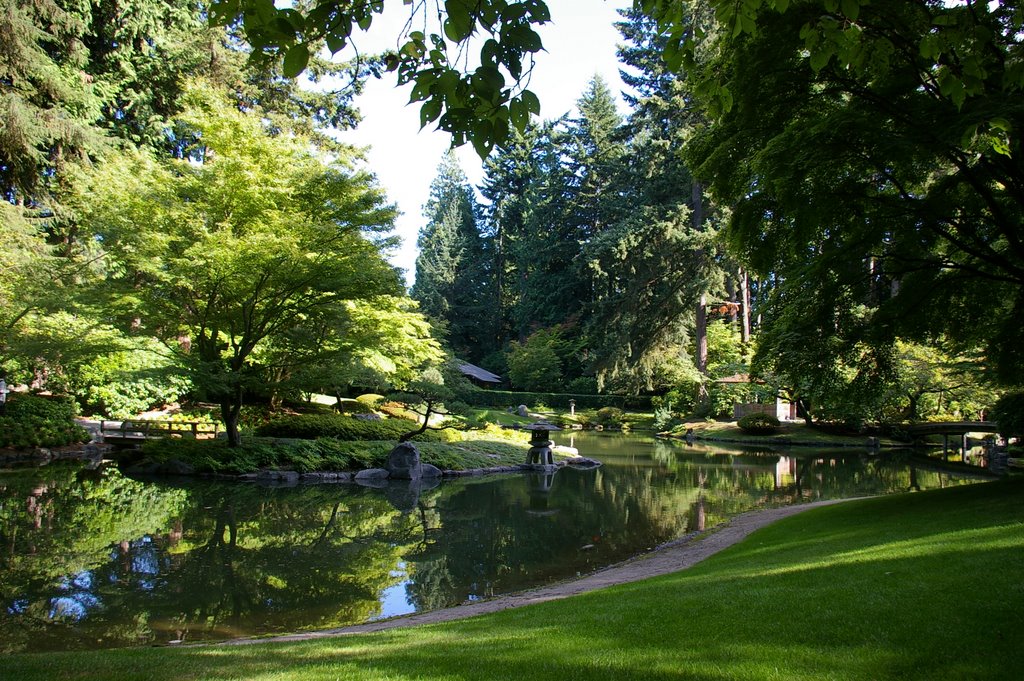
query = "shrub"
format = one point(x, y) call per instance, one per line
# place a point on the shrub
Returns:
point(610, 417)
point(583, 384)
point(759, 424)
point(663, 418)
point(372, 400)
point(302, 456)
point(21, 406)
point(32, 431)
point(507, 398)
point(1008, 412)
point(346, 406)
point(535, 364)
point(312, 426)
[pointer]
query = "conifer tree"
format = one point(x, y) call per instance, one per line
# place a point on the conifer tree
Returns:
point(453, 278)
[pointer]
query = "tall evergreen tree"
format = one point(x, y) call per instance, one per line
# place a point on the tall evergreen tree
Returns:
point(654, 265)
point(453, 278)
point(511, 172)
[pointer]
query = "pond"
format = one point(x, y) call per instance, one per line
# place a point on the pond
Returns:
point(91, 558)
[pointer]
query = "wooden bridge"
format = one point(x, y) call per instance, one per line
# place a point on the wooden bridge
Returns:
point(952, 428)
point(137, 431)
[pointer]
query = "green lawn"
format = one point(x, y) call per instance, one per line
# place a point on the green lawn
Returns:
point(914, 586)
point(789, 433)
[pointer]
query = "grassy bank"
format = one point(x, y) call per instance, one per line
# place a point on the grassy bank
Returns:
point(915, 586)
point(789, 433)
point(459, 450)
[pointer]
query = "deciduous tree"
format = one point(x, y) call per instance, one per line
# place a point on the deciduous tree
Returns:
point(222, 253)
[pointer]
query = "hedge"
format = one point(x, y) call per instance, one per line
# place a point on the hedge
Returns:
point(302, 456)
point(312, 426)
point(506, 398)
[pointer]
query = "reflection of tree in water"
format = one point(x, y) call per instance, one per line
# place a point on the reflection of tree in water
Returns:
point(240, 560)
point(282, 560)
point(111, 561)
point(57, 530)
point(586, 520)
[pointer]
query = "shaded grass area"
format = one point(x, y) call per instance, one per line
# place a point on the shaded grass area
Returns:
point(914, 586)
point(789, 433)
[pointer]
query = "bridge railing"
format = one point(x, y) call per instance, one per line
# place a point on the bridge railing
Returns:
point(150, 428)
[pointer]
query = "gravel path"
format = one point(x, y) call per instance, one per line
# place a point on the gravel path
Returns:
point(671, 557)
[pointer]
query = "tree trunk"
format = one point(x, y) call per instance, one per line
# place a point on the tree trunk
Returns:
point(744, 307)
point(230, 409)
point(697, 197)
point(803, 408)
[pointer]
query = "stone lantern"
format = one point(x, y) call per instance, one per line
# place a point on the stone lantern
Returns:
point(540, 444)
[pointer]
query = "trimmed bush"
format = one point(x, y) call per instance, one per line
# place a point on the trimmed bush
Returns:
point(302, 456)
point(347, 406)
point(506, 398)
point(372, 400)
point(312, 426)
point(610, 417)
point(759, 424)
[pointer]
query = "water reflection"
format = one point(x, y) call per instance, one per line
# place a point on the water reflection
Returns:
point(102, 560)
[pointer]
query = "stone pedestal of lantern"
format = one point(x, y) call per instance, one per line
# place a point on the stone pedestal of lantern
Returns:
point(540, 456)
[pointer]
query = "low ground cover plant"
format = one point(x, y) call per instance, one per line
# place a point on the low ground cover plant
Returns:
point(488, 447)
point(255, 454)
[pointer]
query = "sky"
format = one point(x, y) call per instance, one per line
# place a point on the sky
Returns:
point(579, 42)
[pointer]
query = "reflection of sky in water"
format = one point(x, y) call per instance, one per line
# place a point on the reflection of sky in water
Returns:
point(83, 580)
point(146, 582)
point(74, 607)
point(76, 602)
point(394, 600)
point(147, 562)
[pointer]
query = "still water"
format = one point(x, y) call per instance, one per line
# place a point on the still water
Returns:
point(90, 558)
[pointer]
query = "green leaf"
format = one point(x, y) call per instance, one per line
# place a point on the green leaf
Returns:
point(851, 8)
point(459, 25)
point(820, 58)
point(335, 43)
point(531, 102)
point(725, 99)
point(295, 60)
point(930, 47)
point(1001, 124)
point(430, 110)
point(519, 115)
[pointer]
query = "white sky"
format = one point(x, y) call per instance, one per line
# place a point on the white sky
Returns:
point(579, 41)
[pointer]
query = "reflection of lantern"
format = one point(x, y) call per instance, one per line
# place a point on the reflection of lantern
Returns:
point(539, 485)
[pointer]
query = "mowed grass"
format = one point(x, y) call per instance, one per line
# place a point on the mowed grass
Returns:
point(789, 433)
point(914, 586)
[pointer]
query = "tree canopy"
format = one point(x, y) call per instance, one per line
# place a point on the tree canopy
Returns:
point(226, 254)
